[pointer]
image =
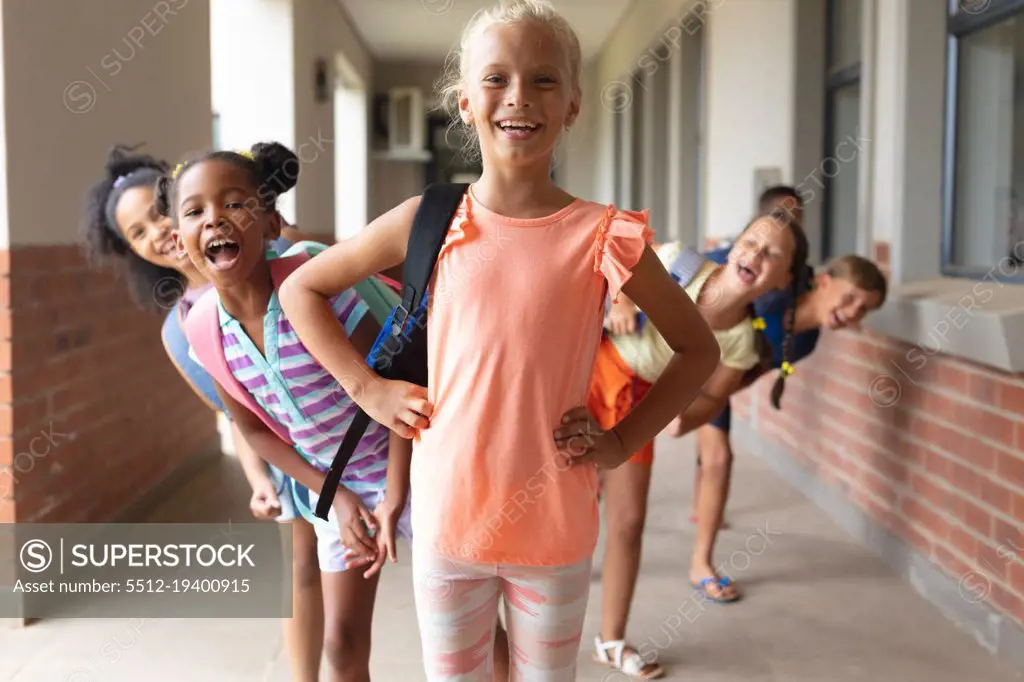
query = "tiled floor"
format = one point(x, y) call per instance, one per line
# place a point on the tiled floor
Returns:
point(818, 608)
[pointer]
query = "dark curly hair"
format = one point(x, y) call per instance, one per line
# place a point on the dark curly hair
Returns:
point(274, 170)
point(103, 242)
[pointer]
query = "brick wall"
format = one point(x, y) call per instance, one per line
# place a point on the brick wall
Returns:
point(929, 446)
point(92, 413)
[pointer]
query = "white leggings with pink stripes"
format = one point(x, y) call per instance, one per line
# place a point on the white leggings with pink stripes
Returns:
point(457, 608)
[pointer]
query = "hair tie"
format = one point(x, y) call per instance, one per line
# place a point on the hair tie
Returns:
point(787, 369)
point(759, 323)
point(120, 181)
point(177, 171)
point(246, 153)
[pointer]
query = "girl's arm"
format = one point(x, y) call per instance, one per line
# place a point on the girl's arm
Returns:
point(399, 464)
point(305, 296)
point(680, 322)
point(712, 399)
point(269, 446)
point(254, 468)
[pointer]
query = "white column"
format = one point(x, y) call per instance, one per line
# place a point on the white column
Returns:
point(909, 123)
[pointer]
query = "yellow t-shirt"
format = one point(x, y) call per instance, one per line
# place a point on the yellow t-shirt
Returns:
point(647, 353)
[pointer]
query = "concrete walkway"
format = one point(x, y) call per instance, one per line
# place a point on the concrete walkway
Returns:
point(818, 607)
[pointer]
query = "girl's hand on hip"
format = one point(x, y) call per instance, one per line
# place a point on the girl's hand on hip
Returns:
point(356, 523)
point(399, 405)
point(581, 440)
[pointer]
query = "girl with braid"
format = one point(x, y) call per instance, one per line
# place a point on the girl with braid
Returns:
point(847, 289)
point(768, 255)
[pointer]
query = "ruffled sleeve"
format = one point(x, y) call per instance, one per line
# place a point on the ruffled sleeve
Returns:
point(621, 239)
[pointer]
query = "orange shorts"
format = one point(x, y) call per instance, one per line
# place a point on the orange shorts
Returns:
point(614, 390)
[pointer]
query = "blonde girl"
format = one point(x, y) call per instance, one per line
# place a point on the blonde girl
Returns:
point(505, 453)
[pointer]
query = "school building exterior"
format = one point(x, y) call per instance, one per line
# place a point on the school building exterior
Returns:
point(894, 118)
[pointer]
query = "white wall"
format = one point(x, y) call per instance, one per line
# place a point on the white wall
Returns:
point(809, 111)
point(264, 58)
point(392, 182)
point(322, 31)
point(588, 148)
point(69, 97)
point(748, 110)
point(750, 106)
point(251, 45)
point(908, 135)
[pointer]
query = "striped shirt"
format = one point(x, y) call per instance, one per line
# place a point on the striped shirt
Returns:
point(295, 391)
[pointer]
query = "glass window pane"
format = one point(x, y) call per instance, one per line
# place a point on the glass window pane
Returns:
point(845, 19)
point(840, 168)
point(989, 147)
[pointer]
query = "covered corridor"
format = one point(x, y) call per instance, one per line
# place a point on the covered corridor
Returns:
point(892, 479)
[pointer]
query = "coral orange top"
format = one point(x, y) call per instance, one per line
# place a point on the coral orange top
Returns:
point(514, 326)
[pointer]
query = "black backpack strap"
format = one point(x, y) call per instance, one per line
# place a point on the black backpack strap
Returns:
point(429, 229)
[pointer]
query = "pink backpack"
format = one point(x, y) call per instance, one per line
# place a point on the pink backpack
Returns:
point(202, 327)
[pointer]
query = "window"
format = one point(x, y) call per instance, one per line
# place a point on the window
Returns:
point(842, 121)
point(983, 211)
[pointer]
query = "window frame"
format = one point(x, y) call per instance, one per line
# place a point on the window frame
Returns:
point(836, 79)
point(960, 24)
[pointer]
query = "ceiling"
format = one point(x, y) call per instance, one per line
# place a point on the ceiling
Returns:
point(428, 29)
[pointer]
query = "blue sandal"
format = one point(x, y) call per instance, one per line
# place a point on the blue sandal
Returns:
point(721, 583)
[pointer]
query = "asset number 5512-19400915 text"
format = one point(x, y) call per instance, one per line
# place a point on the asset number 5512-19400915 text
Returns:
point(179, 585)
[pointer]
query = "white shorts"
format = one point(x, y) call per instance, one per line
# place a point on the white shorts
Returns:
point(330, 552)
point(282, 484)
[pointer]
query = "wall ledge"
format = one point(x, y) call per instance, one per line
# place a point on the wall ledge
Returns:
point(978, 320)
point(994, 631)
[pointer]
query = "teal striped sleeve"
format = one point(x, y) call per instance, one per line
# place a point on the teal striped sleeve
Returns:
point(349, 309)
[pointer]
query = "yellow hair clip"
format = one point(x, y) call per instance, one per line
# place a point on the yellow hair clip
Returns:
point(246, 153)
point(759, 323)
point(787, 369)
point(177, 171)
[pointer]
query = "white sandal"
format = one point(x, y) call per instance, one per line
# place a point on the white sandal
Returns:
point(631, 664)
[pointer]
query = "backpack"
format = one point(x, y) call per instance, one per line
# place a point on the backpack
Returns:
point(400, 350)
point(202, 327)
